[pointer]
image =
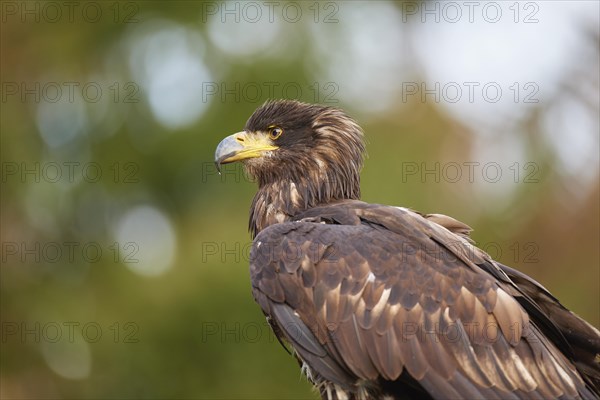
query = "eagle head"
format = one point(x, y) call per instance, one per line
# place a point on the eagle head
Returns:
point(286, 140)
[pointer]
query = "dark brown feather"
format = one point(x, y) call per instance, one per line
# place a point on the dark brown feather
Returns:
point(476, 336)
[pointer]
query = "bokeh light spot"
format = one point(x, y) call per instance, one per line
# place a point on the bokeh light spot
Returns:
point(147, 241)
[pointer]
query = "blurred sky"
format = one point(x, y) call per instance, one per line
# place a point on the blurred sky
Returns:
point(124, 254)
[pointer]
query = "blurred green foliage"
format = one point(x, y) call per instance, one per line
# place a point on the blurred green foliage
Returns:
point(181, 322)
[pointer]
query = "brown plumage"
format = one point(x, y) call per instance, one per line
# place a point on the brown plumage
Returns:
point(382, 301)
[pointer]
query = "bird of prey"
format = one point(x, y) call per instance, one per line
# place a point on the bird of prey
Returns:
point(382, 302)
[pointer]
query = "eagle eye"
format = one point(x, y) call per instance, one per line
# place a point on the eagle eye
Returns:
point(275, 132)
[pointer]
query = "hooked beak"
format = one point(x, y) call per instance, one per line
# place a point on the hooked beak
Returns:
point(241, 146)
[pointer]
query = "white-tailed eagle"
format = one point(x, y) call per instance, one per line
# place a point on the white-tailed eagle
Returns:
point(384, 302)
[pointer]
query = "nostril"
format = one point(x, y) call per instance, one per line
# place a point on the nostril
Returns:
point(239, 139)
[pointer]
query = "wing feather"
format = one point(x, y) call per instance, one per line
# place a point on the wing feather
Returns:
point(394, 297)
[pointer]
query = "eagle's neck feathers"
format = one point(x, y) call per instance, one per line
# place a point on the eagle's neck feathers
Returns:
point(280, 200)
point(326, 171)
